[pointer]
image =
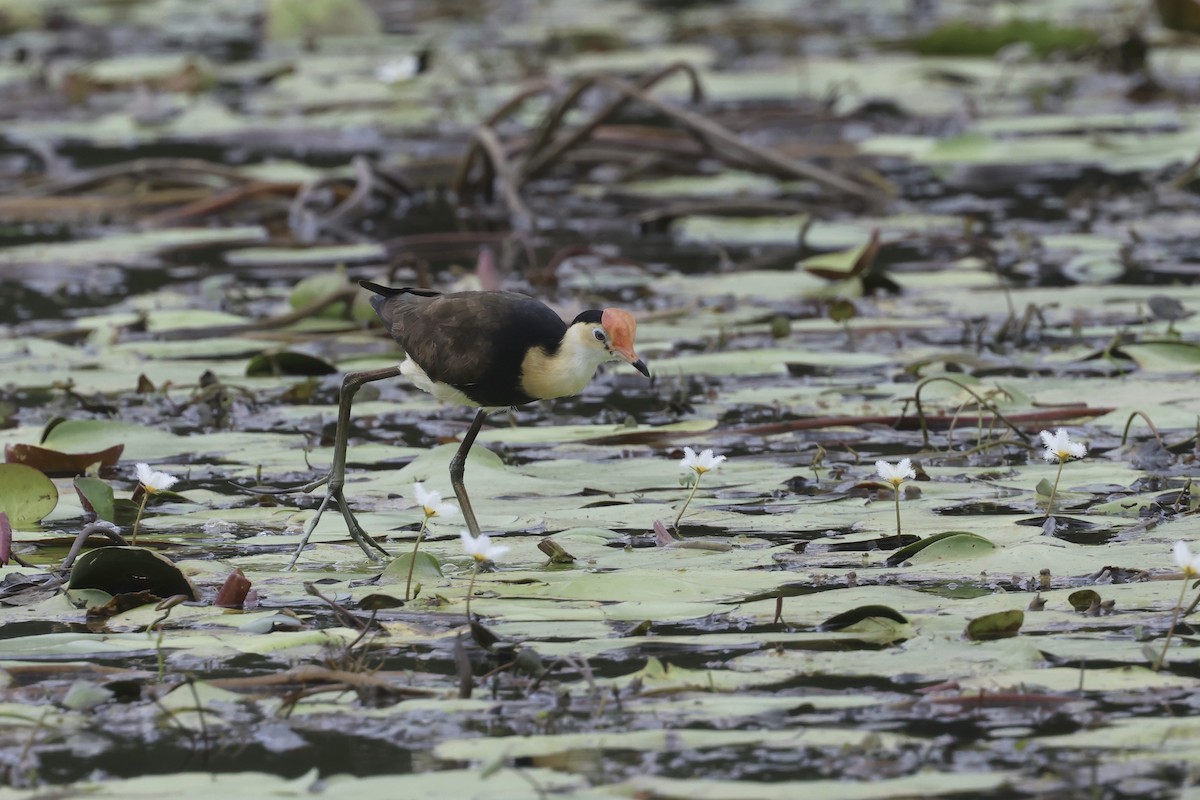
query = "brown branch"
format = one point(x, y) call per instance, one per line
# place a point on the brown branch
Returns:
point(489, 143)
point(509, 106)
point(719, 133)
point(541, 153)
point(137, 167)
point(220, 201)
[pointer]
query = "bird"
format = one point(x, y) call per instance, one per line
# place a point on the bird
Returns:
point(492, 350)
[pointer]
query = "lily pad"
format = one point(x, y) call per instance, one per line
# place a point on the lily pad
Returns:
point(97, 497)
point(287, 362)
point(312, 19)
point(26, 495)
point(940, 546)
point(128, 570)
point(427, 568)
point(848, 619)
point(1163, 356)
point(743, 230)
point(140, 442)
point(1000, 625)
point(57, 463)
point(316, 287)
point(1084, 599)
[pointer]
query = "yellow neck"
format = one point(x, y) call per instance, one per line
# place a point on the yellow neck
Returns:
point(567, 371)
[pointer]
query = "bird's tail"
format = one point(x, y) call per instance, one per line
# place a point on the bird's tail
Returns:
point(387, 291)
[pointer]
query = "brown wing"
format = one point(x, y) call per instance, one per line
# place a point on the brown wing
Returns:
point(473, 341)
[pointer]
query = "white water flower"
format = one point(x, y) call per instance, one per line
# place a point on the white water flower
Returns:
point(431, 502)
point(896, 474)
point(1060, 448)
point(482, 549)
point(398, 70)
point(1189, 563)
point(154, 481)
point(700, 464)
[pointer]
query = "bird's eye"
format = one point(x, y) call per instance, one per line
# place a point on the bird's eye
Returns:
point(599, 334)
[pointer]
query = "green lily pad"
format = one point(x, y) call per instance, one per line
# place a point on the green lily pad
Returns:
point(309, 19)
point(943, 546)
point(975, 39)
point(126, 248)
point(316, 287)
point(875, 623)
point(742, 230)
point(725, 184)
point(26, 494)
point(84, 435)
point(287, 362)
point(426, 568)
point(1163, 356)
point(96, 496)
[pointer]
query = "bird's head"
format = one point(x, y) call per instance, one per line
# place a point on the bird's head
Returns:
point(609, 333)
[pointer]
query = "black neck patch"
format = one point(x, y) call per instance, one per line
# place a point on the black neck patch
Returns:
point(589, 316)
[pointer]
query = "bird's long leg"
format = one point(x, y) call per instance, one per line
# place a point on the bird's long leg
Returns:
point(336, 478)
point(458, 464)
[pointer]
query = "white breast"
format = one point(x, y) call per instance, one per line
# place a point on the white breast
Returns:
point(442, 391)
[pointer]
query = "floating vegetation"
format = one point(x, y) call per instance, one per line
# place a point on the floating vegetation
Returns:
point(867, 279)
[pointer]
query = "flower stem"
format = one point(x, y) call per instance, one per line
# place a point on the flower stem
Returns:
point(691, 494)
point(413, 562)
point(1174, 619)
point(896, 491)
point(471, 590)
point(137, 523)
point(1054, 489)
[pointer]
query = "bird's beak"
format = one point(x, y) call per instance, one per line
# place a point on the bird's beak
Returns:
point(627, 354)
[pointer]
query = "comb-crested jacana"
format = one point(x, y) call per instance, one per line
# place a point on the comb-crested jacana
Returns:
point(492, 350)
